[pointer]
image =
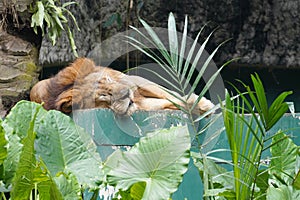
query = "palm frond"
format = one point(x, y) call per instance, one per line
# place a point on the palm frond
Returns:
point(173, 41)
point(174, 61)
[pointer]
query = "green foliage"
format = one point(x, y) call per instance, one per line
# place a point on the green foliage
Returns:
point(283, 165)
point(3, 143)
point(54, 14)
point(49, 157)
point(30, 174)
point(154, 167)
point(284, 169)
point(247, 138)
point(248, 121)
point(269, 115)
point(65, 147)
point(47, 153)
point(282, 192)
point(172, 61)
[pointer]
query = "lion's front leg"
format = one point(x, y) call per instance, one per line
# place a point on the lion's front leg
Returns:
point(203, 105)
point(150, 104)
point(155, 97)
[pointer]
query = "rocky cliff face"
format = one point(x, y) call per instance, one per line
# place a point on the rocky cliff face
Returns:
point(19, 48)
point(264, 33)
point(18, 59)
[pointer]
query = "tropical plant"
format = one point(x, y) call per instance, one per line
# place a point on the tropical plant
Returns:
point(54, 14)
point(44, 155)
point(172, 61)
point(249, 136)
point(180, 62)
point(153, 168)
point(47, 153)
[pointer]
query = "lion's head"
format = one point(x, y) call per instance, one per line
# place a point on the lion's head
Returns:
point(82, 85)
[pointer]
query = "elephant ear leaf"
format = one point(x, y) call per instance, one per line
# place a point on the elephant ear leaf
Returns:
point(3, 142)
point(47, 151)
point(31, 173)
point(67, 148)
point(154, 167)
point(284, 158)
point(16, 125)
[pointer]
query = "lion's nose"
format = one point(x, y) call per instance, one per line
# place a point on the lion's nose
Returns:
point(130, 102)
point(122, 94)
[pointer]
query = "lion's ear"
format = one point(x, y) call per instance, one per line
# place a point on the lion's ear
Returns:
point(38, 92)
point(64, 102)
point(79, 69)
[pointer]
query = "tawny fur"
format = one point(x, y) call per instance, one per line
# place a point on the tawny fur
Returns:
point(83, 85)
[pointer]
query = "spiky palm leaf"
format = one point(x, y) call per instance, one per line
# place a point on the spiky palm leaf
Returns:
point(247, 134)
point(172, 61)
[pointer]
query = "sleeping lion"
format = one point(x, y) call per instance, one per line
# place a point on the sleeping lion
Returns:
point(83, 85)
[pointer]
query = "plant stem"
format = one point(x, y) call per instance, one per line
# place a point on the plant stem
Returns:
point(35, 191)
point(256, 173)
point(3, 196)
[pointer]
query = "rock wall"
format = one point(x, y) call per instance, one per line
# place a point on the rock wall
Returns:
point(19, 52)
point(18, 59)
point(264, 33)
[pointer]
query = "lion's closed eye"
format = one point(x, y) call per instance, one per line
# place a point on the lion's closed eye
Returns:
point(104, 97)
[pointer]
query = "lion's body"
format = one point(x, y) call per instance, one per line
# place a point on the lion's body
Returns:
point(82, 85)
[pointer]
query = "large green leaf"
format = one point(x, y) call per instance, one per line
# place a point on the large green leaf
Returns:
point(65, 147)
point(283, 192)
point(68, 186)
point(20, 116)
point(12, 159)
point(160, 159)
point(30, 174)
point(284, 155)
point(296, 182)
point(16, 125)
point(217, 173)
point(3, 143)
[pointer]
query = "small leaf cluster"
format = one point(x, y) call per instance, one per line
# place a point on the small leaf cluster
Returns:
point(56, 19)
